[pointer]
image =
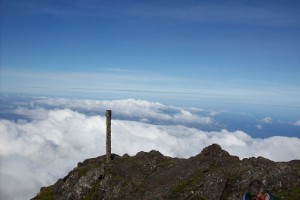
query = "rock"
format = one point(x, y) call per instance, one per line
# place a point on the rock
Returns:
point(214, 150)
point(212, 174)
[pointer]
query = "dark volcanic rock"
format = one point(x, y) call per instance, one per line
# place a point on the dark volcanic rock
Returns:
point(212, 174)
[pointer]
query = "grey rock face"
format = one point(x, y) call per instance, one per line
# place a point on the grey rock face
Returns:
point(212, 174)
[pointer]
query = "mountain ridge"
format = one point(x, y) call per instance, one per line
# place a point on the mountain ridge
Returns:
point(211, 174)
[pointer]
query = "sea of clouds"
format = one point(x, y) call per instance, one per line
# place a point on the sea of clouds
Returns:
point(49, 136)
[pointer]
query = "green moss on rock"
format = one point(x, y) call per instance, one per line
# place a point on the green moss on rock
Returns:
point(86, 168)
point(46, 193)
point(293, 194)
point(188, 185)
point(94, 192)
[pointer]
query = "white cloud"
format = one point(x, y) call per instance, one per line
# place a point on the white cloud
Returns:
point(259, 126)
point(37, 113)
point(45, 149)
point(297, 123)
point(152, 112)
point(267, 120)
point(214, 113)
point(37, 152)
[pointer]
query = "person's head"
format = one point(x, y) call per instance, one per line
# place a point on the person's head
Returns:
point(256, 190)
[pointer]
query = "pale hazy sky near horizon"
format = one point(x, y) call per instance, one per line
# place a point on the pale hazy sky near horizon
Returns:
point(227, 51)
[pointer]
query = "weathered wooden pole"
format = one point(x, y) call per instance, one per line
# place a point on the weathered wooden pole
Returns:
point(108, 135)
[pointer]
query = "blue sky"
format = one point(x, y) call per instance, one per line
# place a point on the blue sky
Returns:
point(171, 51)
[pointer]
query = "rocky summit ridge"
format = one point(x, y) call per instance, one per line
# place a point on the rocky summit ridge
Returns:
point(212, 174)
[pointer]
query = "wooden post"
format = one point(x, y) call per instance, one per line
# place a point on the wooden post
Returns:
point(108, 135)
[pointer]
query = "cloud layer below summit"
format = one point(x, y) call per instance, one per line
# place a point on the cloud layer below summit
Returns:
point(52, 135)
